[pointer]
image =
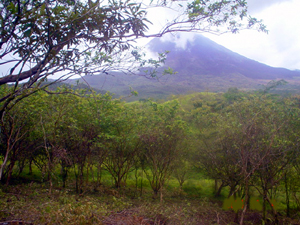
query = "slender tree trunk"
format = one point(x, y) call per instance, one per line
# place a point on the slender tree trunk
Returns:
point(99, 174)
point(64, 174)
point(30, 166)
point(161, 184)
point(81, 179)
point(161, 194)
point(232, 190)
point(76, 183)
point(10, 170)
point(287, 195)
point(275, 214)
point(49, 164)
point(264, 205)
point(246, 203)
point(218, 192)
point(142, 182)
point(136, 181)
point(4, 162)
point(216, 186)
point(92, 172)
point(87, 172)
point(21, 166)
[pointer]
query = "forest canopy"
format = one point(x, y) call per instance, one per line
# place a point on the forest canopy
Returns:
point(246, 142)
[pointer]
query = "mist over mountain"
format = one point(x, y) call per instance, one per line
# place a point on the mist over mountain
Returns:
point(203, 56)
point(201, 65)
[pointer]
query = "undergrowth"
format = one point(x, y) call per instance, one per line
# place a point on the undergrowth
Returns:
point(34, 204)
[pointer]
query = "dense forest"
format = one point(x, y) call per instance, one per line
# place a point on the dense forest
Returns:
point(237, 149)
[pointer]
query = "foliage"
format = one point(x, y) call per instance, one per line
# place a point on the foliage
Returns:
point(160, 140)
point(86, 142)
point(43, 38)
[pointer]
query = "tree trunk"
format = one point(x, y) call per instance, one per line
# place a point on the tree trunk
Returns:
point(245, 204)
point(218, 190)
point(64, 175)
point(10, 170)
point(76, 183)
point(232, 190)
point(136, 181)
point(30, 166)
point(264, 206)
point(4, 163)
point(155, 193)
point(216, 185)
point(142, 182)
point(275, 214)
point(287, 196)
point(161, 194)
point(99, 175)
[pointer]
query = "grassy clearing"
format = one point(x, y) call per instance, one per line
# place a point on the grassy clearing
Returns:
point(133, 204)
point(103, 204)
point(33, 203)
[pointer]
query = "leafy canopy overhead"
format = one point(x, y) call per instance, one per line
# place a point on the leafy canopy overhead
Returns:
point(39, 38)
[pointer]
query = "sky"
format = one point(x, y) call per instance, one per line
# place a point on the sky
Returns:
point(279, 48)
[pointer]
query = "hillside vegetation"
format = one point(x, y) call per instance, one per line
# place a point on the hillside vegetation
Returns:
point(201, 65)
point(203, 158)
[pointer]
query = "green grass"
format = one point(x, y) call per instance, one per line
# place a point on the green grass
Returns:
point(100, 204)
point(33, 203)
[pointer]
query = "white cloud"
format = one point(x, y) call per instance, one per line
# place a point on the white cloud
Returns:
point(255, 6)
point(180, 39)
point(279, 48)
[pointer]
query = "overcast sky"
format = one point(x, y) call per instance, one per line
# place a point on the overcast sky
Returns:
point(280, 47)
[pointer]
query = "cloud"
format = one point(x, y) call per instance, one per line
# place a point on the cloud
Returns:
point(284, 32)
point(180, 39)
point(256, 6)
point(279, 48)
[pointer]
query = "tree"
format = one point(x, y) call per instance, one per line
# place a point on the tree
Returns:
point(256, 129)
point(160, 140)
point(14, 128)
point(17, 135)
point(122, 142)
point(249, 144)
point(81, 132)
point(291, 175)
point(182, 165)
point(207, 151)
point(39, 38)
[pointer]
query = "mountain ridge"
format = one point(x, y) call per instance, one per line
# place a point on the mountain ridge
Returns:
point(202, 65)
point(218, 60)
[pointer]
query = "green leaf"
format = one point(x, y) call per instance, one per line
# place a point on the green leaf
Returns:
point(43, 8)
point(12, 8)
point(135, 93)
